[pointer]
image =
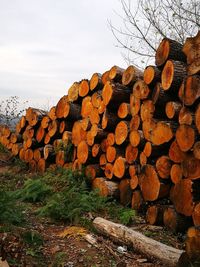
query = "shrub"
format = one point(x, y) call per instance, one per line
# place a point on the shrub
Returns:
point(10, 212)
point(34, 191)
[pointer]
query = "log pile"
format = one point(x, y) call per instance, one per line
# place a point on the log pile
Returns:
point(136, 132)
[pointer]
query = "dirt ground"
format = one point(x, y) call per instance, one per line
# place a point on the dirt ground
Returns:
point(42, 242)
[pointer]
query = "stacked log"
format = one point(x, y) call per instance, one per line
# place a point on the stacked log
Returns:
point(136, 132)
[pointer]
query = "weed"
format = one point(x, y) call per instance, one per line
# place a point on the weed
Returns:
point(59, 259)
point(32, 238)
point(9, 209)
point(34, 191)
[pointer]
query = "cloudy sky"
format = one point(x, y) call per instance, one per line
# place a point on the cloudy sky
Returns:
point(46, 45)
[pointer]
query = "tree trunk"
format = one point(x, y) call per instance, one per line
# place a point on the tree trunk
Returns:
point(121, 132)
point(125, 192)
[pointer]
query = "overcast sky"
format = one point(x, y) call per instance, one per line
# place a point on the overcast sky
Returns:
point(46, 45)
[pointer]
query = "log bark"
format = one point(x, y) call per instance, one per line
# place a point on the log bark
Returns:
point(125, 192)
point(173, 75)
point(196, 215)
point(93, 170)
point(152, 75)
point(131, 75)
point(182, 197)
point(197, 118)
point(84, 88)
point(137, 200)
point(109, 121)
point(112, 92)
point(167, 255)
point(115, 74)
point(108, 170)
point(96, 82)
point(169, 49)
point(106, 188)
point(154, 214)
point(189, 91)
point(193, 245)
point(175, 222)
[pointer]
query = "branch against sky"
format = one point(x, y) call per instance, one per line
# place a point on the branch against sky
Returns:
point(145, 23)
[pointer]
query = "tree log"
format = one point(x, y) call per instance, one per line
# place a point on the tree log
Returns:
point(173, 75)
point(120, 167)
point(163, 166)
point(83, 88)
point(185, 137)
point(131, 75)
point(125, 192)
point(131, 153)
point(106, 188)
point(154, 214)
point(112, 92)
point(189, 91)
point(174, 221)
point(115, 74)
point(193, 245)
point(169, 49)
point(176, 173)
point(141, 90)
point(96, 82)
point(167, 255)
point(152, 75)
point(196, 215)
point(121, 132)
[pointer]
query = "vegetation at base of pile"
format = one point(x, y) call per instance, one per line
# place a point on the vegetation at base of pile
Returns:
point(71, 199)
point(10, 210)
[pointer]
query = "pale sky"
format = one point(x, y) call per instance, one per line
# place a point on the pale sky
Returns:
point(46, 45)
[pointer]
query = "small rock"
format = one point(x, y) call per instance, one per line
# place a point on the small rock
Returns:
point(121, 249)
point(70, 264)
point(141, 260)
